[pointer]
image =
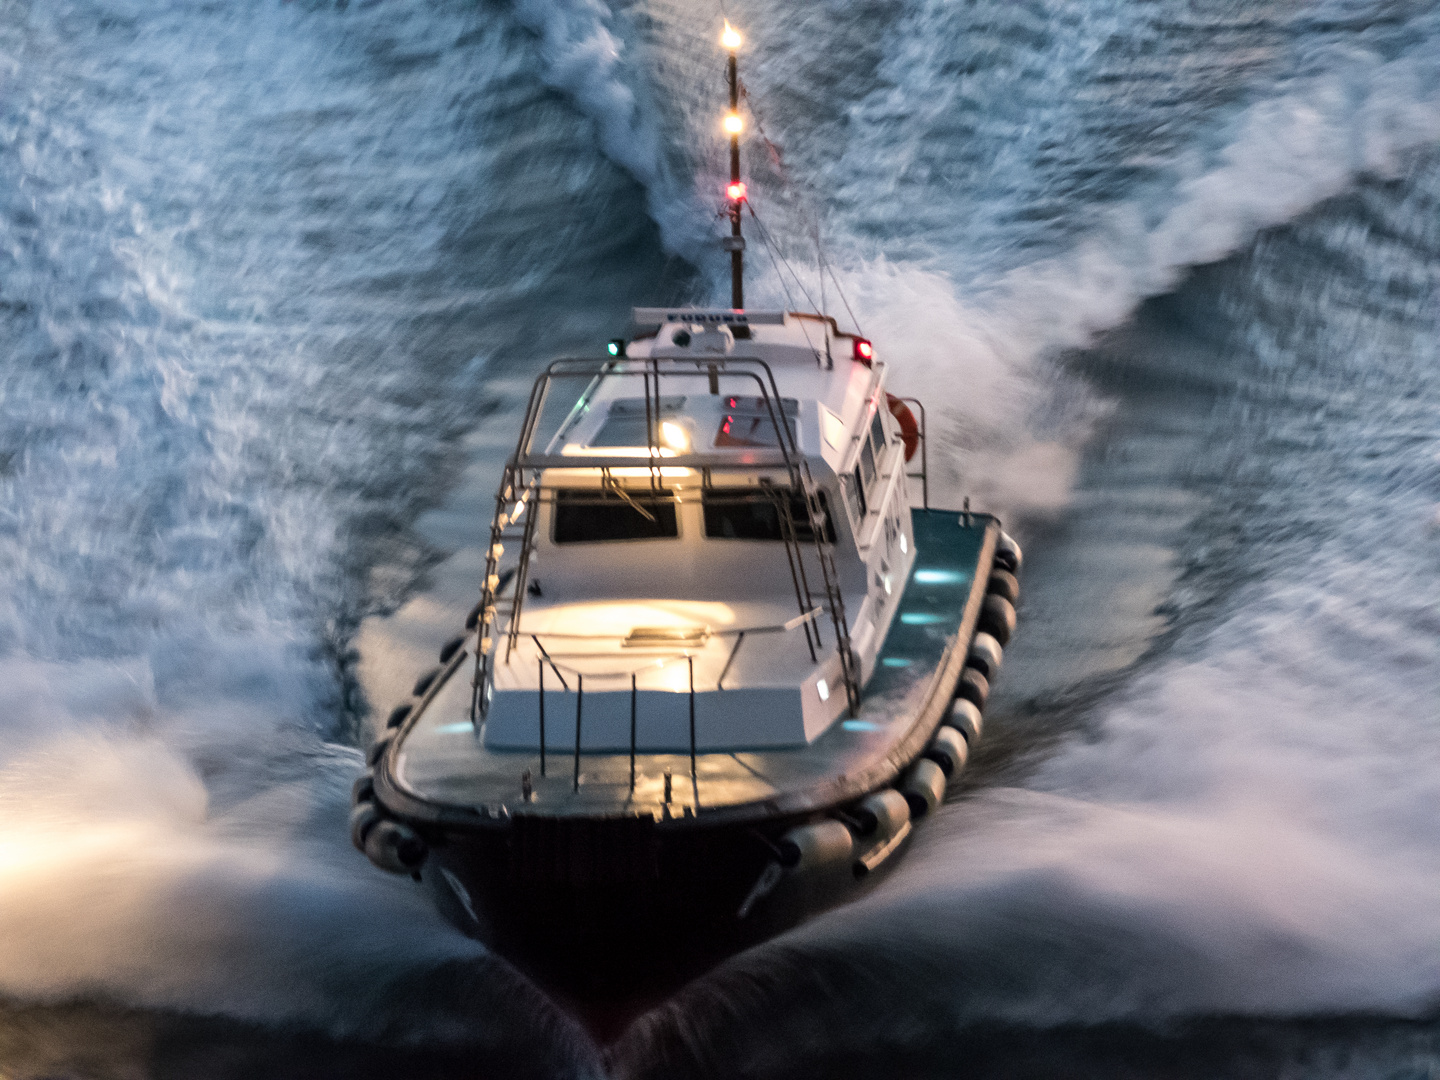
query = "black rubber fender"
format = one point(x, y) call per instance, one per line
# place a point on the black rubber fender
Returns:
point(425, 681)
point(451, 648)
point(810, 847)
point(1003, 583)
point(1008, 555)
point(949, 750)
point(965, 718)
point(923, 787)
point(363, 790)
point(395, 848)
point(362, 819)
point(881, 814)
point(377, 750)
point(398, 715)
point(997, 618)
point(985, 656)
point(974, 688)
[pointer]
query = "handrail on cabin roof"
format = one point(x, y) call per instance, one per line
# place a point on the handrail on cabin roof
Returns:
point(647, 368)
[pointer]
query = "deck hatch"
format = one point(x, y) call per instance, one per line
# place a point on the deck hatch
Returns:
point(628, 422)
point(649, 637)
point(751, 421)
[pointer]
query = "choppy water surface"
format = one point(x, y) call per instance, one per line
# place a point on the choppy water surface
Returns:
point(273, 277)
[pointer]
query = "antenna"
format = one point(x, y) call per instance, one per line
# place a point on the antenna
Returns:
point(735, 190)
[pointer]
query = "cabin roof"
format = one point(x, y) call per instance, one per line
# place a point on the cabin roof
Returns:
point(820, 384)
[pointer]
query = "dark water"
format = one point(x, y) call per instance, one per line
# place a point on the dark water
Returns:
point(273, 279)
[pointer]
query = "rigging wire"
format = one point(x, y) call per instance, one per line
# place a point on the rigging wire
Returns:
point(773, 249)
point(768, 237)
point(844, 301)
point(802, 191)
point(820, 257)
point(789, 300)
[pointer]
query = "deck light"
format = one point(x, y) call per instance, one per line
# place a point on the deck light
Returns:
point(730, 38)
point(941, 577)
point(864, 351)
point(616, 347)
point(735, 191)
point(674, 436)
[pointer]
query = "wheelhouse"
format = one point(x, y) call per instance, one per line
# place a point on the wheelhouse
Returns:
point(696, 545)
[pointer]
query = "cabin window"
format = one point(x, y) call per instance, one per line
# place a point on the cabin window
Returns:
point(750, 513)
point(592, 515)
point(867, 463)
point(877, 433)
point(855, 494)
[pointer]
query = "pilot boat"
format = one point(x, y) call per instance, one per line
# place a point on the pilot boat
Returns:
point(725, 654)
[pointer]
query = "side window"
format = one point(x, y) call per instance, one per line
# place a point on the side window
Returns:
point(877, 433)
point(855, 493)
point(751, 514)
point(867, 463)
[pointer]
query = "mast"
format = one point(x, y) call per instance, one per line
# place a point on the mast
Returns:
point(735, 190)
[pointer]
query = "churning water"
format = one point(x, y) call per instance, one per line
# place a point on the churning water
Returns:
point(273, 279)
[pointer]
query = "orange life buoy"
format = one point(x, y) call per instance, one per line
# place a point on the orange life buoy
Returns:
point(909, 429)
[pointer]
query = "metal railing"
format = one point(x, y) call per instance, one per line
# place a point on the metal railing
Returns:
point(559, 669)
point(522, 492)
point(521, 486)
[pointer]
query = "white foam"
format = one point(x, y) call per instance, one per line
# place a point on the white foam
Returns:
point(585, 57)
point(1263, 808)
point(174, 821)
point(980, 353)
point(119, 877)
point(1249, 826)
point(178, 468)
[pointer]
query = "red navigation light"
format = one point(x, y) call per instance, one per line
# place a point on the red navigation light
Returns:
point(864, 351)
point(735, 191)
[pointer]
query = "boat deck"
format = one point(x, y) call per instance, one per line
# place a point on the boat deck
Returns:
point(438, 768)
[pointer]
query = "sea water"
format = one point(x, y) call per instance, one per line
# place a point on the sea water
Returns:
point(274, 278)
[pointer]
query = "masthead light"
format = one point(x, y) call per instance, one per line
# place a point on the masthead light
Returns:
point(731, 37)
point(674, 436)
point(735, 191)
point(734, 125)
